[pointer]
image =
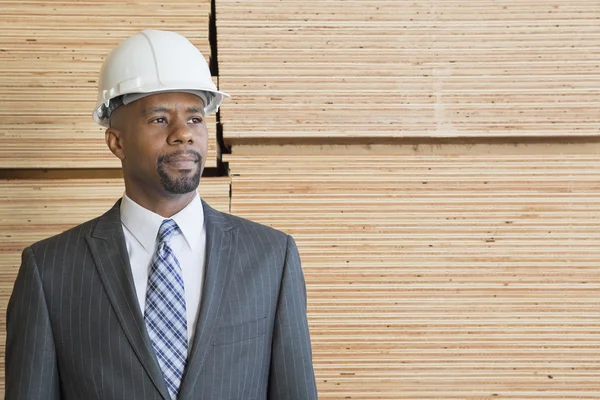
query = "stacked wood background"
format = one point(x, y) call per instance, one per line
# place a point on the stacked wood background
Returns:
point(437, 271)
point(440, 272)
point(437, 161)
point(50, 57)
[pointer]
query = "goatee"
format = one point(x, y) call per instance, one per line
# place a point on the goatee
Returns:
point(182, 184)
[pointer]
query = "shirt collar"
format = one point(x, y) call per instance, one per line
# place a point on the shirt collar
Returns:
point(144, 224)
point(191, 221)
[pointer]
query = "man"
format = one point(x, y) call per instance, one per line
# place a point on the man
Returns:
point(162, 297)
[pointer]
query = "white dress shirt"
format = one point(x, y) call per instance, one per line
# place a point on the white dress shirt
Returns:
point(140, 227)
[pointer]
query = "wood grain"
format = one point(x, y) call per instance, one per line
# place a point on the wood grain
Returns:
point(446, 272)
point(403, 68)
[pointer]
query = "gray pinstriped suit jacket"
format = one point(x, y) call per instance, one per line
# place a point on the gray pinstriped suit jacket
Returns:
point(75, 329)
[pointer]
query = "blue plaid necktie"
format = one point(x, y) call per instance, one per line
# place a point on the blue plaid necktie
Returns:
point(165, 310)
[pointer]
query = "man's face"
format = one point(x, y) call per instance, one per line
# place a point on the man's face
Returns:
point(162, 142)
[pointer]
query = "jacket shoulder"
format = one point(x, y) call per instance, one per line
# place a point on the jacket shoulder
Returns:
point(259, 243)
point(66, 238)
point(257, 233)
point(246, 225)
point(74, 235)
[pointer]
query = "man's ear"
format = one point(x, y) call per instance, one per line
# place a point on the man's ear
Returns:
point(114, 141)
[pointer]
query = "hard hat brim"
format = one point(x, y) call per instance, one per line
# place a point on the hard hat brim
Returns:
point(101, 115)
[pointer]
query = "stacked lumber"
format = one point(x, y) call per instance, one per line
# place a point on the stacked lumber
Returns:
point(402, 68)
point(31, 210)
point(437, 272)
point(50, 58)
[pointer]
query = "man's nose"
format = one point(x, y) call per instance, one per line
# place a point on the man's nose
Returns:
point(181, 133)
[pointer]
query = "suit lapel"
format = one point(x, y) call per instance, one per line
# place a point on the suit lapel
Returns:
point(220, 242)
point(107, 244)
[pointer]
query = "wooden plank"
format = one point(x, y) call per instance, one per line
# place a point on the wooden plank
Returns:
point(31, 210)
point(447, 272)
point(48, 76)
point(406, 69)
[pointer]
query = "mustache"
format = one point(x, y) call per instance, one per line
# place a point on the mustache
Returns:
point(171, 156)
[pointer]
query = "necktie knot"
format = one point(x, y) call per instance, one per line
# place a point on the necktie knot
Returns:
point(166, 231)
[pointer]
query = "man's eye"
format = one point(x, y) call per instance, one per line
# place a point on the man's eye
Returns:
point(159, 120)
point(196, 120)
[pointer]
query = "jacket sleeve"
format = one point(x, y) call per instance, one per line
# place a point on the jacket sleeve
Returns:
point(30, 363)
point(291, 376)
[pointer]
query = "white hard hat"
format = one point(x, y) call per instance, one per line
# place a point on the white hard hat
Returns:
point(151, 62)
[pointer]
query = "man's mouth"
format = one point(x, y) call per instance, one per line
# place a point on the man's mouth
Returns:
point(182, 163)
point(187, 160)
